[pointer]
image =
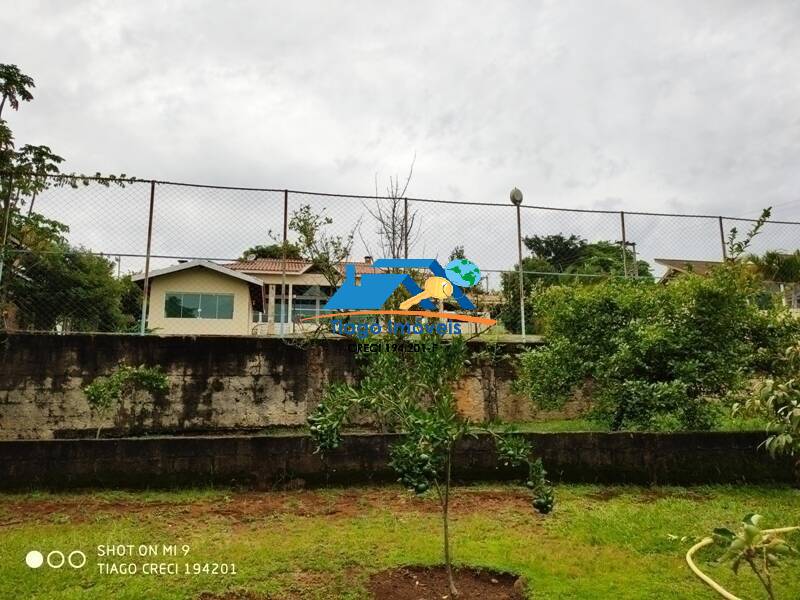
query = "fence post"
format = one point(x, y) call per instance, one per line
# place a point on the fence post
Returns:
point(146, 290)
point(6, 219)
point(521, 278)
point(722, 240)
point(405, 227)
point(624, 244)
point(283, 266)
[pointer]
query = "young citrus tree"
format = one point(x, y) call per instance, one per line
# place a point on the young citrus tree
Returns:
point(413, 393)
point(760, 549)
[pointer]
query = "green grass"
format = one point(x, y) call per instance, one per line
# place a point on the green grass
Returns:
point(559, 426)
point(727, 423)
point(601, 542)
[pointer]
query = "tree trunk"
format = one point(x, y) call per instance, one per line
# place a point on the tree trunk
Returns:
point(765, 580)
point(445, 519)
point(30, 208)
point(6, 216)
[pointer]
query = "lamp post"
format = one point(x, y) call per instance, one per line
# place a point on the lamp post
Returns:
point(516, 200)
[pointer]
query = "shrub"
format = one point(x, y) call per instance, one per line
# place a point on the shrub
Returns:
point(658, 356)
point(106, 392)
point(779, 401)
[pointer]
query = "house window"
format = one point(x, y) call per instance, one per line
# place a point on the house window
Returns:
point(280, 309)
point(181, 305)
point(304, 307)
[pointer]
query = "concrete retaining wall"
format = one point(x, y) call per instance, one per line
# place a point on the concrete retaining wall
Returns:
point(217, 384)
point(262, 461)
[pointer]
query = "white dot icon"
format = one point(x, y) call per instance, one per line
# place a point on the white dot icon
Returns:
point(34, 559)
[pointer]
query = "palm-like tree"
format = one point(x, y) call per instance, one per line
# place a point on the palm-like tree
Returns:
point(776, 266)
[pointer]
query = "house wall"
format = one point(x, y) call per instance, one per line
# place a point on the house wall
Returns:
point(216, 384)
point(199, 280)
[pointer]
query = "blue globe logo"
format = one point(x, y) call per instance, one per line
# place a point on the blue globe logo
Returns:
point(463, 272)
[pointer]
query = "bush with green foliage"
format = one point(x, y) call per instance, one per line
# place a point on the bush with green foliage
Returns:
point(413, 393)
point(56, 284)
point(658, 357)
point(558, 259)
point(106, 392)
point(778, 399)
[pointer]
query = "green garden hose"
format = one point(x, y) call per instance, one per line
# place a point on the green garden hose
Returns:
point(705, 578)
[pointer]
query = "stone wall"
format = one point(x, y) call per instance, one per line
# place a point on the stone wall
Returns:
point(264, 461)
point(217, 384)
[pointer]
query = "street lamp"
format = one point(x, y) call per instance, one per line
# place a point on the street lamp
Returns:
point(516, 200)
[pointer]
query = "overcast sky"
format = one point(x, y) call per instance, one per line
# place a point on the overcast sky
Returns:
point(670, 106)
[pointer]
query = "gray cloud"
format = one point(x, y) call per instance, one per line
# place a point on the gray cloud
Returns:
point(670, 106)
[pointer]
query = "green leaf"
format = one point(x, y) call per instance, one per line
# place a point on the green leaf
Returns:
point(724, 535)
point(752, 519)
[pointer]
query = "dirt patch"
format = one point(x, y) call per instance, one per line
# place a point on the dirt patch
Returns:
point(604, 494)
point(232, 596)
point(430, 583)
point(245, 507)
point(655, 494)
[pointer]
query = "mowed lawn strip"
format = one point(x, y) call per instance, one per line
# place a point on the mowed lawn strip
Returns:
point(600, 542)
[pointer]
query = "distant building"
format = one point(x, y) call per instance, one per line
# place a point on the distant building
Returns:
point(200, 297)
point(676, 266)
point(789, 291)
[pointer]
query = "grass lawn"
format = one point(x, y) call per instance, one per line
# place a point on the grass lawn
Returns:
point(578, 424)
point(601, 542)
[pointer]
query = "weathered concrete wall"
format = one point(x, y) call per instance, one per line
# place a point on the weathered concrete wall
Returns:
point(261, 461)
point(217, 384)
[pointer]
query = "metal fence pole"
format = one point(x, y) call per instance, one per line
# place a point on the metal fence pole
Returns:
point(283, 267)
point(722, 240)
point(521, 279)
point(405, 227)
point(146, 290)
point(624, 244)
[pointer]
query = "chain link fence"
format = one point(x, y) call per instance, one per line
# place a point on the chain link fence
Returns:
point(94, 255)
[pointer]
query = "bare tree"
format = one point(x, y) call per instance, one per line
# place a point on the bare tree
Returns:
point(397, 229)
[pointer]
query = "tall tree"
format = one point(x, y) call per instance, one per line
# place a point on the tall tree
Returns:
point(777, 266)
point(457, 252)
point(14, 86)
point(317, 245)
point(558, 251)
point(271, 251)
point(573, 254)
point(48, 278)
point(53, 285)
point(562, 259)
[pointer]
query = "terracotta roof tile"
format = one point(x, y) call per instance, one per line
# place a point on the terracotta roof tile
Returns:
point(269, 265)
point(293, 266)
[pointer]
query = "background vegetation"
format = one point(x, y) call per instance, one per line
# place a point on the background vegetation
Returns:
point(654, 356)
